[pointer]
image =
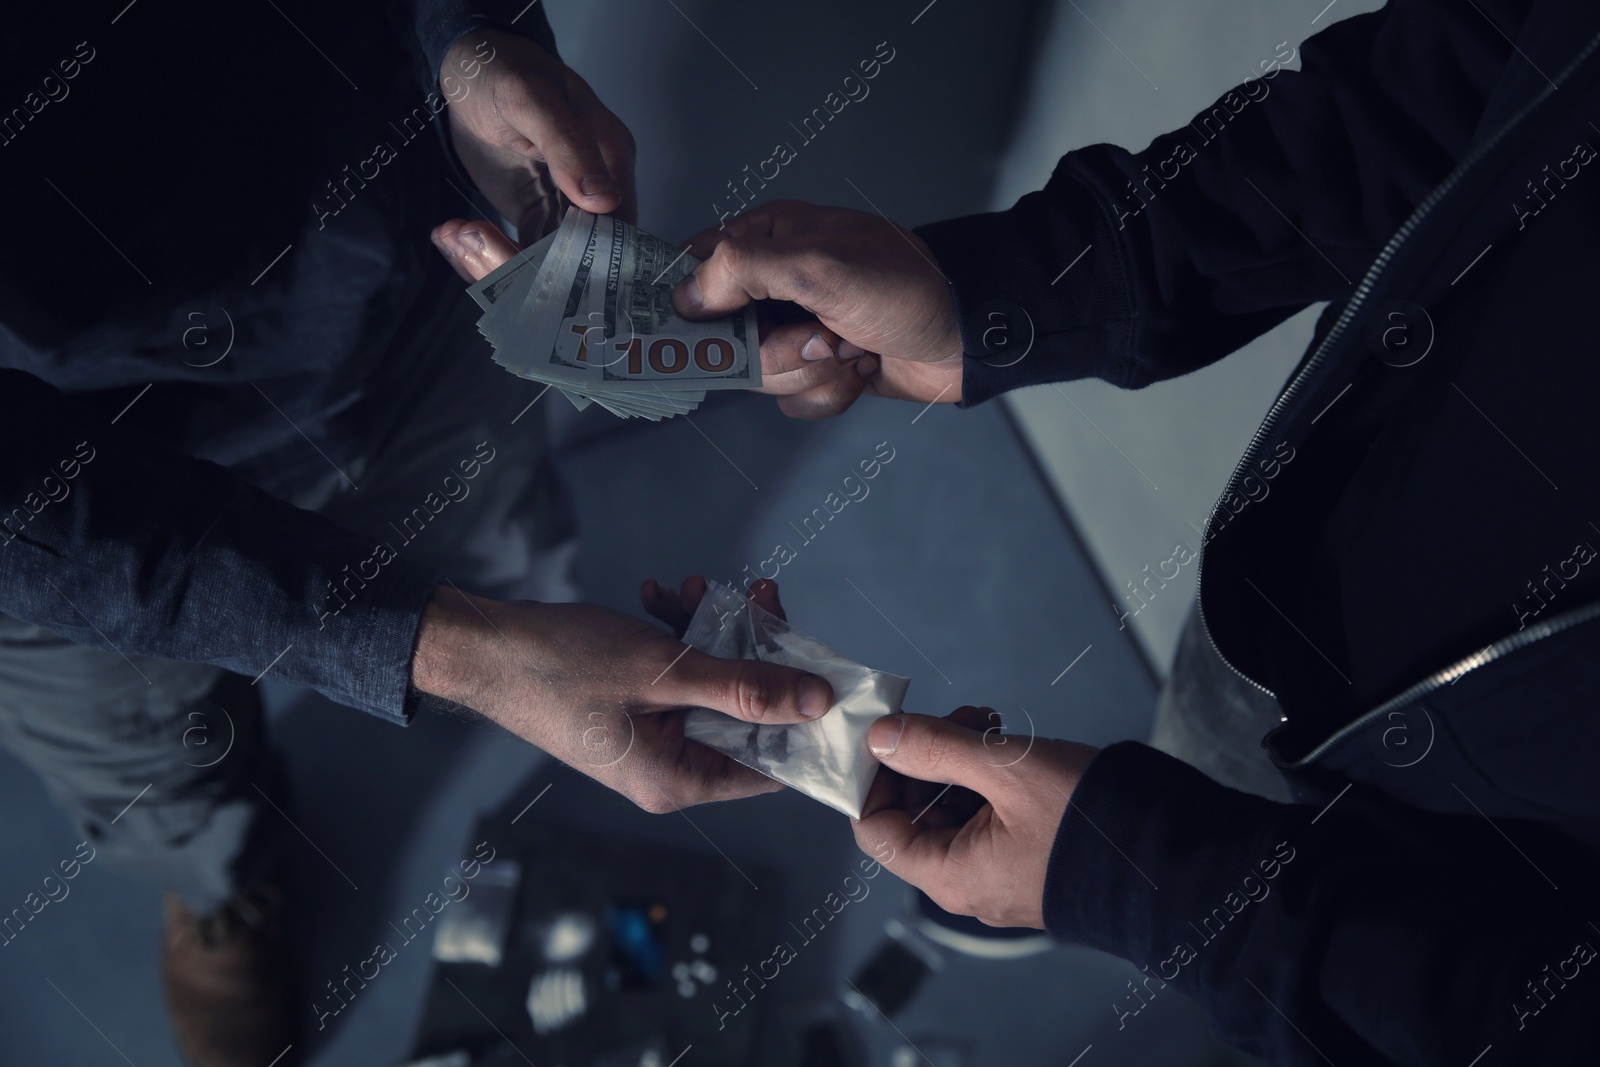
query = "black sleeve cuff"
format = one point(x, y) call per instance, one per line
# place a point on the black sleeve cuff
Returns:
point(1040, 290)
point(440, 23)
point(1149, 843)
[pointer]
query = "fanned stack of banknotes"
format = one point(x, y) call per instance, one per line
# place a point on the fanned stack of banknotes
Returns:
point(588, 310)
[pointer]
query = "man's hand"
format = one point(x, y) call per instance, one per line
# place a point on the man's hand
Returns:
point(527, 122)
point(883, 320)
point(606, 693)
point(981, 847)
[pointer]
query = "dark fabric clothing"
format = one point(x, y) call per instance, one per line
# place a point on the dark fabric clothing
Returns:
point(214, 325)
point(1369, 561)
point(1383, 933)
point(440, 23)
point(163, 764)
point(1436, 465)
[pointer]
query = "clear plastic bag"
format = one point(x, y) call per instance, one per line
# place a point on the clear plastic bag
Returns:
point(826, 759)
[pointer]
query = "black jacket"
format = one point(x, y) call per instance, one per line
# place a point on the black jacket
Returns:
point(1403, 556)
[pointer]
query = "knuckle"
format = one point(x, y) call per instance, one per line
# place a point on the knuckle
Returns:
point(652, 801)
point(816, 273)
point(568, 150)
point(808, 274)
point(965, 898)
point(835, 396)
point(801, 407)
point(753, 692)
point(938, 750)
point(503, 137)
point(953, 898)
point(732, 255)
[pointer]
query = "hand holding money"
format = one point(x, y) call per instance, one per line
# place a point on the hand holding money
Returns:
point(525, 125)
point(880, 315)
point(588, 310)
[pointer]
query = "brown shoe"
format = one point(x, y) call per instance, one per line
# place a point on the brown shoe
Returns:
point(229, 981)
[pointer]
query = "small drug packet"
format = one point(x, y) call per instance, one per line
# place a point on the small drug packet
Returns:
point(476, 932)
point(827, 759)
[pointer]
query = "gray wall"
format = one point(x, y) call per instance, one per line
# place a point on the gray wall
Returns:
point(1139, 471)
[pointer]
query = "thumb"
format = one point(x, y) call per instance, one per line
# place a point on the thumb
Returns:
point(746, 689)
point(475, 249)
point(934, 750)
point(742, 269)
point(570, 150)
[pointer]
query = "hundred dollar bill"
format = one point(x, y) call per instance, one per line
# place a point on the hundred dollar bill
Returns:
point(649, 348)
point(580, 342)
point(561, 342)
point(588, 309)
point(545, 342)
point(518, 328)
point(488, 290)
point(502, 290)
point(602, 349)
point(519, 325)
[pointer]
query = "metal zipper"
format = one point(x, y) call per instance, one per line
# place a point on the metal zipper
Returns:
point(1456, 671)
point(1351, 308)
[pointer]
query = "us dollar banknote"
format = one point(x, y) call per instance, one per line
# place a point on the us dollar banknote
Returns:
point(588, 310)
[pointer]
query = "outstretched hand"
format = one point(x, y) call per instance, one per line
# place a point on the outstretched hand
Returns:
point(607, 693)
point(967, 813)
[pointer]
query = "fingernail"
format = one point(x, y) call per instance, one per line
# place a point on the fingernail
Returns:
point(816, 349)
point(689, 293)
point(867, 366)
point(815, 696)
point(473, 240)
point(883, 737)
point(848, 351)
point(596, 186)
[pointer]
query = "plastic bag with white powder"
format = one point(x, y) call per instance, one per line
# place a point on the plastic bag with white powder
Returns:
point(827, 759)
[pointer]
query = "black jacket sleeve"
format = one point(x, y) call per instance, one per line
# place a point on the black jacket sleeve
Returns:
point(1278, 196)
point(126, 544)
point(438, 24)
point(1363, 933)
